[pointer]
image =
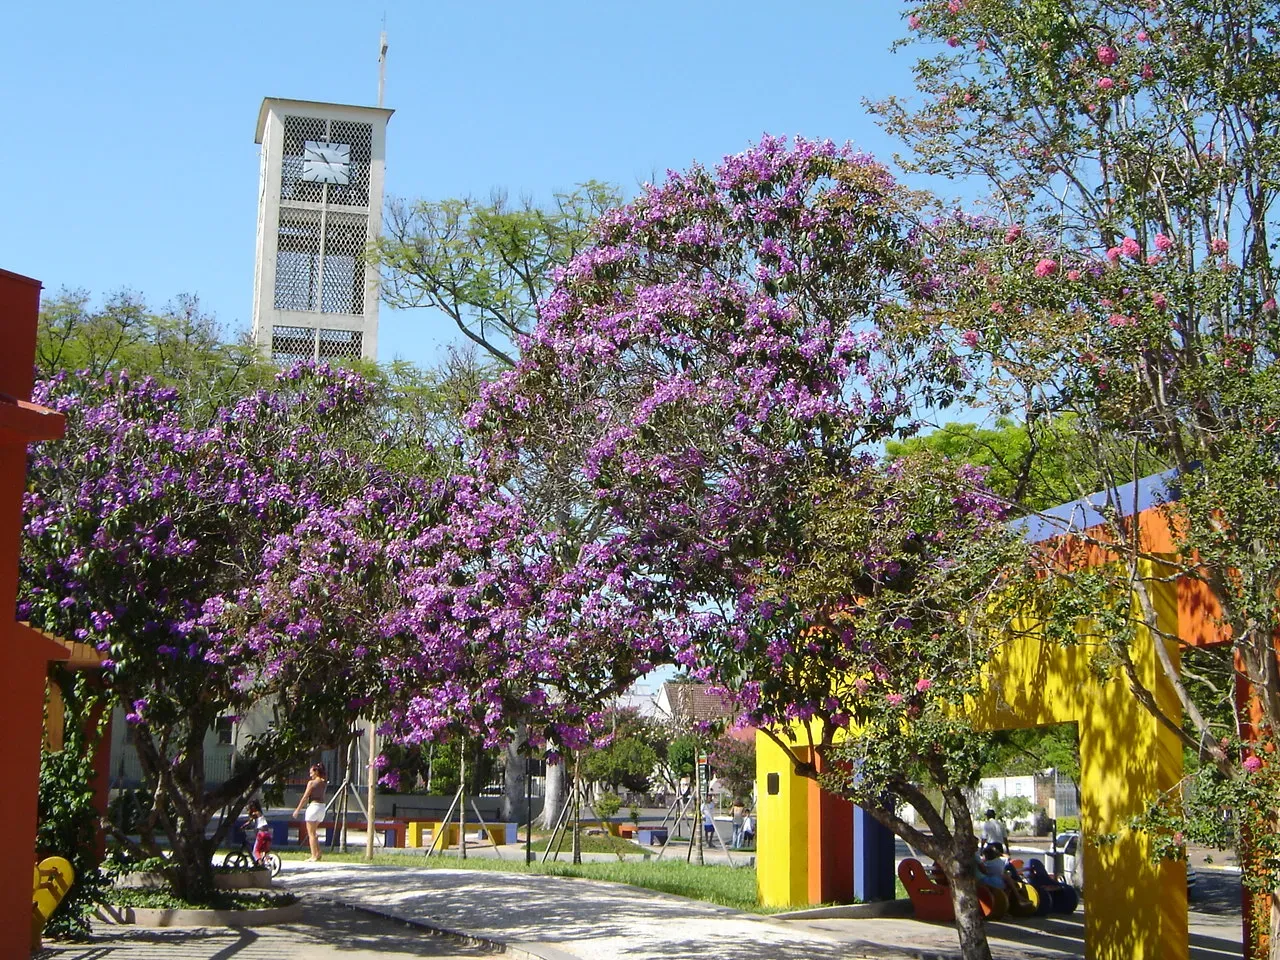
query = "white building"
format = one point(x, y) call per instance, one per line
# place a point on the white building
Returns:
point(319, 208)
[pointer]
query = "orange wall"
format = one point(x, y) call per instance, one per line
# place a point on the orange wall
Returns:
point(24, 654)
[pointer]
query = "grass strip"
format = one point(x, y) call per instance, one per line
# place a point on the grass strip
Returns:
point(714, 883)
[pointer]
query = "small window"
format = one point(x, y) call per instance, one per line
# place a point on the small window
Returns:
point(224, 728)
point(772, 786)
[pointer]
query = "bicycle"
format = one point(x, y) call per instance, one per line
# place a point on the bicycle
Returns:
point(243, 859)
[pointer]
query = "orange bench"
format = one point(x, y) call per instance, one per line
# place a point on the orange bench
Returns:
point(931, 900)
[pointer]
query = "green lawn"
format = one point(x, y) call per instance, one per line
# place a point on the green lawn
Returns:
point(728, 886)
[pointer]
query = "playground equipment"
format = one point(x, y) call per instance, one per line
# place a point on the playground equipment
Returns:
point(1024, 899)
point(931, 894)
point(53, 878)
point(808, 842)
point(1056, 895)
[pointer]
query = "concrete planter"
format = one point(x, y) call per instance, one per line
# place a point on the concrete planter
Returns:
point(243, 880)
point(222, 880)
point(164, 917)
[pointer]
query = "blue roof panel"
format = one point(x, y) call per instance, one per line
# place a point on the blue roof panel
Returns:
point(1079, 515)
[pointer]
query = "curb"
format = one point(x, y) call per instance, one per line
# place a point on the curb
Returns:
point(512, 948)
point(850, 911)
point(178, 917)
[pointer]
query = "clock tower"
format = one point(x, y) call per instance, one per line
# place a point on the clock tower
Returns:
point(319, 208)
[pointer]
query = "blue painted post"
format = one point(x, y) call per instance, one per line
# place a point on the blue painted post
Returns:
point(873, 847)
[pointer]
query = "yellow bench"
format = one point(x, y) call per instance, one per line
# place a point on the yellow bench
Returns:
point(53, 878)
point(421, 833)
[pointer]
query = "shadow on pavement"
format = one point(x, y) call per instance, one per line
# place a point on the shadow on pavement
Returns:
point(327, 930)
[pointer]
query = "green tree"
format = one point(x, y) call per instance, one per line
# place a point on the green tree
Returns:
point(1034, 465)
point(733, 763)
point(68, 819)
point(1128, 281)
point(486, 266)
point(180, 344)
point(629, 758)
point(682, 754)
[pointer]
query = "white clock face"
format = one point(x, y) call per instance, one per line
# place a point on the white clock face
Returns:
point(324, 162)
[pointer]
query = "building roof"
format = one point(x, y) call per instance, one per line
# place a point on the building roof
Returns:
point(694, 702)
point(305, 105)
point(1080, 515)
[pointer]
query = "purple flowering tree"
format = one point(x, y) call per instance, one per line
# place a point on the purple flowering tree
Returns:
point(155, 540)
point(712, 375)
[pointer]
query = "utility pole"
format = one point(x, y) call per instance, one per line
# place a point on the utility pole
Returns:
point(697, 807)
point(371, 793)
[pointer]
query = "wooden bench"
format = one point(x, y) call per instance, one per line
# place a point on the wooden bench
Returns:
point(931, 895)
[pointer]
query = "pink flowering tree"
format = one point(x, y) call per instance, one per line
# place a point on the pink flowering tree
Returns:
point(148, 536)
point(1127, 280)
point(712, 377)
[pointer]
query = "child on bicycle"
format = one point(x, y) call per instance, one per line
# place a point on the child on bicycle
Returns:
point(254, 820)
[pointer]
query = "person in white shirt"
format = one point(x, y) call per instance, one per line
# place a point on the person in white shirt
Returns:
point(993, 831)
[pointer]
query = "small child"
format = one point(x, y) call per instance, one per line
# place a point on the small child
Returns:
point(254, 820)
point(991, 866)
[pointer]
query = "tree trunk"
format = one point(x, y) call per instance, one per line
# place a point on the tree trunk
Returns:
point(553, 794)
point(698, 831)
point(969, 923)
point(576, 800)
point(513, 777)
point(462, 800)
point(192, 872)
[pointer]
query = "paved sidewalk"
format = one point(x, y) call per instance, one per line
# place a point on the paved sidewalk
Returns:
point(558, 917)
point(327, 932)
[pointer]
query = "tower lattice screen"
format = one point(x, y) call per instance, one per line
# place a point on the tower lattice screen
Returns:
point(292, 344)
point(298, 245)
point(342, 271)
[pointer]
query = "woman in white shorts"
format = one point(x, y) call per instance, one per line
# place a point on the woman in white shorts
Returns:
point(313, 799)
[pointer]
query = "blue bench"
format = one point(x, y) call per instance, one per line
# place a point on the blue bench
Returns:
point(651, 836)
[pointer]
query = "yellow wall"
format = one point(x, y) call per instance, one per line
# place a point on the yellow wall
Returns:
point(1135, 909)
point(782, 847)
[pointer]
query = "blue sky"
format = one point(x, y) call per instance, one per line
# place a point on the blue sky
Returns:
point(129, 157)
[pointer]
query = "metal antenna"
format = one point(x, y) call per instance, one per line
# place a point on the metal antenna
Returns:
point(382, 60)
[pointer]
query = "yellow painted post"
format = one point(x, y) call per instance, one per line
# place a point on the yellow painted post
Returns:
point(782, 835)
point(1135, 910)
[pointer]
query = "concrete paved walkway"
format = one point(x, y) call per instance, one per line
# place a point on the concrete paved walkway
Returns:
point(558, 917)
point(327, 932)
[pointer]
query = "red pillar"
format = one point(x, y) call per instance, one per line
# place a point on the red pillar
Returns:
point(830, 846)
point(24, 653)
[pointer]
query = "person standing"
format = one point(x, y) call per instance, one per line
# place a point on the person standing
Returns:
point(709, 821)
point(994, 831)
point(748, 830)
point(313, 799)
point(739, 811)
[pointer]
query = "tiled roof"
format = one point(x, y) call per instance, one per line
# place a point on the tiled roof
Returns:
point(695, 703)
